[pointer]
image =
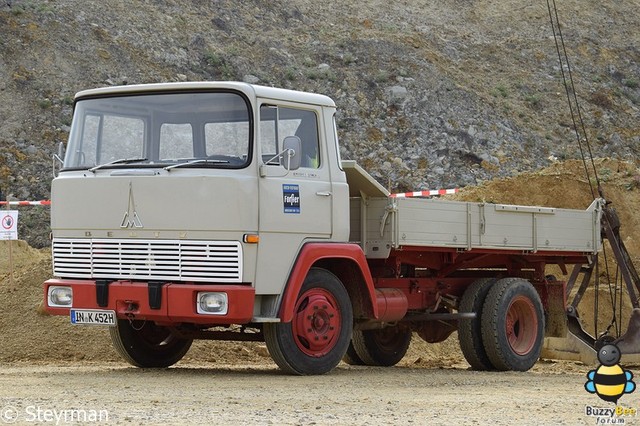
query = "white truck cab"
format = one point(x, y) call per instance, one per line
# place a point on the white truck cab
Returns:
point(200, 166)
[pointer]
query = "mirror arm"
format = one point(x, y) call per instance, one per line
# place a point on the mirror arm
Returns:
point(289, 151)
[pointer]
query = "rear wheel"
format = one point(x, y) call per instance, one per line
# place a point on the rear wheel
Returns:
point(513, 325)
point(470, 330)
point(384, 347)
point(144, 344)
point(351, 357)
point(318, 337)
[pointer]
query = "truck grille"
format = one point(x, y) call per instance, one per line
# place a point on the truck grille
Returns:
point(171, 260)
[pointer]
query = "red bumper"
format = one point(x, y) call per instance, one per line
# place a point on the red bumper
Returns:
point(178, 301)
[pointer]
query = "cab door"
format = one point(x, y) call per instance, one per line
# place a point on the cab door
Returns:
point(295, 205)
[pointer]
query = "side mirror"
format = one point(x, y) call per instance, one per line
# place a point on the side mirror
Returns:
point(58, 160)
point(61, 150)
point(292, 152)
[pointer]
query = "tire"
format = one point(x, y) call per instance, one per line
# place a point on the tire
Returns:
point(384, 347)
point(470, 330)
point(317, 338)
point(144, 344)
point(351, 357)
point(513, 325)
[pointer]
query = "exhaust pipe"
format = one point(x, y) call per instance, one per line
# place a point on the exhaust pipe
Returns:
point(629, 342)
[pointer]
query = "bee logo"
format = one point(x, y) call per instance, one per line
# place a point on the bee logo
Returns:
point(609, 381)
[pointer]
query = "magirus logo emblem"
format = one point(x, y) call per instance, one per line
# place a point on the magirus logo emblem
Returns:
point(131, 218)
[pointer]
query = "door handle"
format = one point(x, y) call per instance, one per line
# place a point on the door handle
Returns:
point(323, 193)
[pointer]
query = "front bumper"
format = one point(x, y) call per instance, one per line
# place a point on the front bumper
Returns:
point(175, 304)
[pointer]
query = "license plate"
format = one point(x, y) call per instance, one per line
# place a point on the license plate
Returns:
point(93, 317)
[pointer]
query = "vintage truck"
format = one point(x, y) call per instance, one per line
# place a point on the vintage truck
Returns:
point(222, 210)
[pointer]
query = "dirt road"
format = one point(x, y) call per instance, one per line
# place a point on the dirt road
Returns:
point(113, 393)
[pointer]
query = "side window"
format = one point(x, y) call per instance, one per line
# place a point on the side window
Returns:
point(276, 123)
point(269, 133)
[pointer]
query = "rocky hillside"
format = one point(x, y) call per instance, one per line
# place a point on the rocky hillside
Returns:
point(431, 94)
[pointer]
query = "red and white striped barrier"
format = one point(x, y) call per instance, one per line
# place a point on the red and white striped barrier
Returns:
point(427, 193)
point(26, 203)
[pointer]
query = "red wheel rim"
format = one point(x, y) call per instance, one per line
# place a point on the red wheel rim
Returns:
point(317, 323)
point(521, 325)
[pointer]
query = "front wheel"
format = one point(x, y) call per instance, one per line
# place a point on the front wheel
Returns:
point(145, 344)
point(513, 325)
point(318, 337)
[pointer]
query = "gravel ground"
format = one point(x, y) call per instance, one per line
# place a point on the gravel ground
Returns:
point(552, 393)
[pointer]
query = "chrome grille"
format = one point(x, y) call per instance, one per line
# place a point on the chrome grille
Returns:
point(171, 260)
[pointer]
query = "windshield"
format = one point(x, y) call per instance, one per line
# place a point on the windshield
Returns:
point(211, 129)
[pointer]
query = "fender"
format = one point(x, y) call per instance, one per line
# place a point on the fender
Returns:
point(308, 256)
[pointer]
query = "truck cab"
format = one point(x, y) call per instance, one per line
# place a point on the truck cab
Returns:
point(180, 203)
point(188, 182)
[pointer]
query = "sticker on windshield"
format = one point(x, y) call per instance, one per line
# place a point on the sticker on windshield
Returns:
point(291, 198)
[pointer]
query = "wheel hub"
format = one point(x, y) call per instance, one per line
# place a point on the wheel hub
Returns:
point(521, 325)
point(316, 325)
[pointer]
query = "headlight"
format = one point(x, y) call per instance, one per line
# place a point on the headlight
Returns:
point(60, 296)
point(212, 303)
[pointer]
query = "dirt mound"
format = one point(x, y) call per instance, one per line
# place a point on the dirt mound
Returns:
point(30, 335)
point(20, 254)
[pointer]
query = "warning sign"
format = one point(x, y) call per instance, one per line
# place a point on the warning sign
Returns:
point(9, 228)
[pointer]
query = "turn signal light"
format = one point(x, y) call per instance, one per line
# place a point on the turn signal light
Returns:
point(251, 238)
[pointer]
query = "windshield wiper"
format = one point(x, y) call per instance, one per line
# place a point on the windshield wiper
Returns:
point(120, 161)
point(198, 161)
